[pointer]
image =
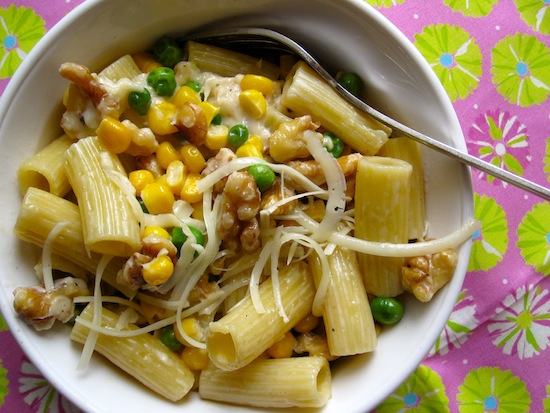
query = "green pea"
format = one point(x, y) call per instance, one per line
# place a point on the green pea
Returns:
point(178, 237)
point(217, 119)
point(263, 175)
point(333, 143)
point(196, 86)
point(237, 135)
point(352, 83)
point(162, 80)
point(387, 310)
point(169, 339)
point(167, 51)
point(140, 101)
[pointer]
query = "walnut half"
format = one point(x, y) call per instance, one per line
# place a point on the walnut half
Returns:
point(426, 274)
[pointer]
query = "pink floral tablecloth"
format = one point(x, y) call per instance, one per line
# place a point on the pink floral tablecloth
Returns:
point(493, 58)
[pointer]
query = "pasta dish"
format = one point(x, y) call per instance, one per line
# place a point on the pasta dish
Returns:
point(214, 222)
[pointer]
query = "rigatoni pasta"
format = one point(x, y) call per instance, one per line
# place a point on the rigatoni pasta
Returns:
point(346, 314)
point(288, 382)
point(143, 356)
point(306, 94)
point(382, 196)
point(233, 341)
point(229, 215)
point(108, 221)
point(45, 170)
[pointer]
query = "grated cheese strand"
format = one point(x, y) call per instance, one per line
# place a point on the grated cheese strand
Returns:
point(91, 339)
point(336, 183)
point(47, 275)
point(386, 249)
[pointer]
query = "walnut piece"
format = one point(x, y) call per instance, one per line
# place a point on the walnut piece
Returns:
point(40, 307)
point(80, 115)
point(191, 122)
point(425, 275)
point(286, 142)
point(312, 170)
point(238, 225)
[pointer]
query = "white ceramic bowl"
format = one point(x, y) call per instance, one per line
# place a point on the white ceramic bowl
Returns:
point(349, 33)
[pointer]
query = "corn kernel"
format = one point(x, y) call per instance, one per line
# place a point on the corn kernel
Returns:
point(158, 271)
point(190, 192)
point(260, 83)
point(158, 198)
point(114, 135)
point(185, 95)
point(284, 347)
point(191, 327)
point(192, 158)
point(176, 173)
point(253, 102)
point(166, 153)
point(216, 137)
point(195, 358)
point(139, 178)
point(155, 230)
point(248, 150)
point(257, 142)
point(161, 118)
point(145, 62)
point(209, 110)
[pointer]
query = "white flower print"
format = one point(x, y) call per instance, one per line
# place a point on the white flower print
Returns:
point(522, 325)
point(37, 392)
point(460, 325)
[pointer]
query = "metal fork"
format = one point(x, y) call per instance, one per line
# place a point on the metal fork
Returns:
point(255, 39)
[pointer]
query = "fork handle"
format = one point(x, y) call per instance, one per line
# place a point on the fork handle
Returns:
point(460, 156)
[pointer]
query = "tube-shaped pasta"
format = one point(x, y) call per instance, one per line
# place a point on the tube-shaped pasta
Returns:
point(227, 63)
point(144, 357)
point(306, 93)
point(243, 334)
point(408, 150)
point(286, 382)
point(39, 214)
point(346, 313)
point(108, 221)
point(45, 169)
point(123, 67)
point(382, 196)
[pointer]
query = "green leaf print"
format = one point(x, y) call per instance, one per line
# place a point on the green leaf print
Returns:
point(384, 3)
point(535, 13)
point(491, 241)
point(546, 401)
point(423, 392)
point(20, 30)
point(520, 69)
point(490, 389)
point(3, 383)
point(472, 8)
point(534, 238)
point(454, 56)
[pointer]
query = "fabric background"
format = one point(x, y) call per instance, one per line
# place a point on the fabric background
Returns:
point(493, 58)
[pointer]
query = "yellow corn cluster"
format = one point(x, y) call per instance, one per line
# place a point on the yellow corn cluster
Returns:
point(255, 88)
